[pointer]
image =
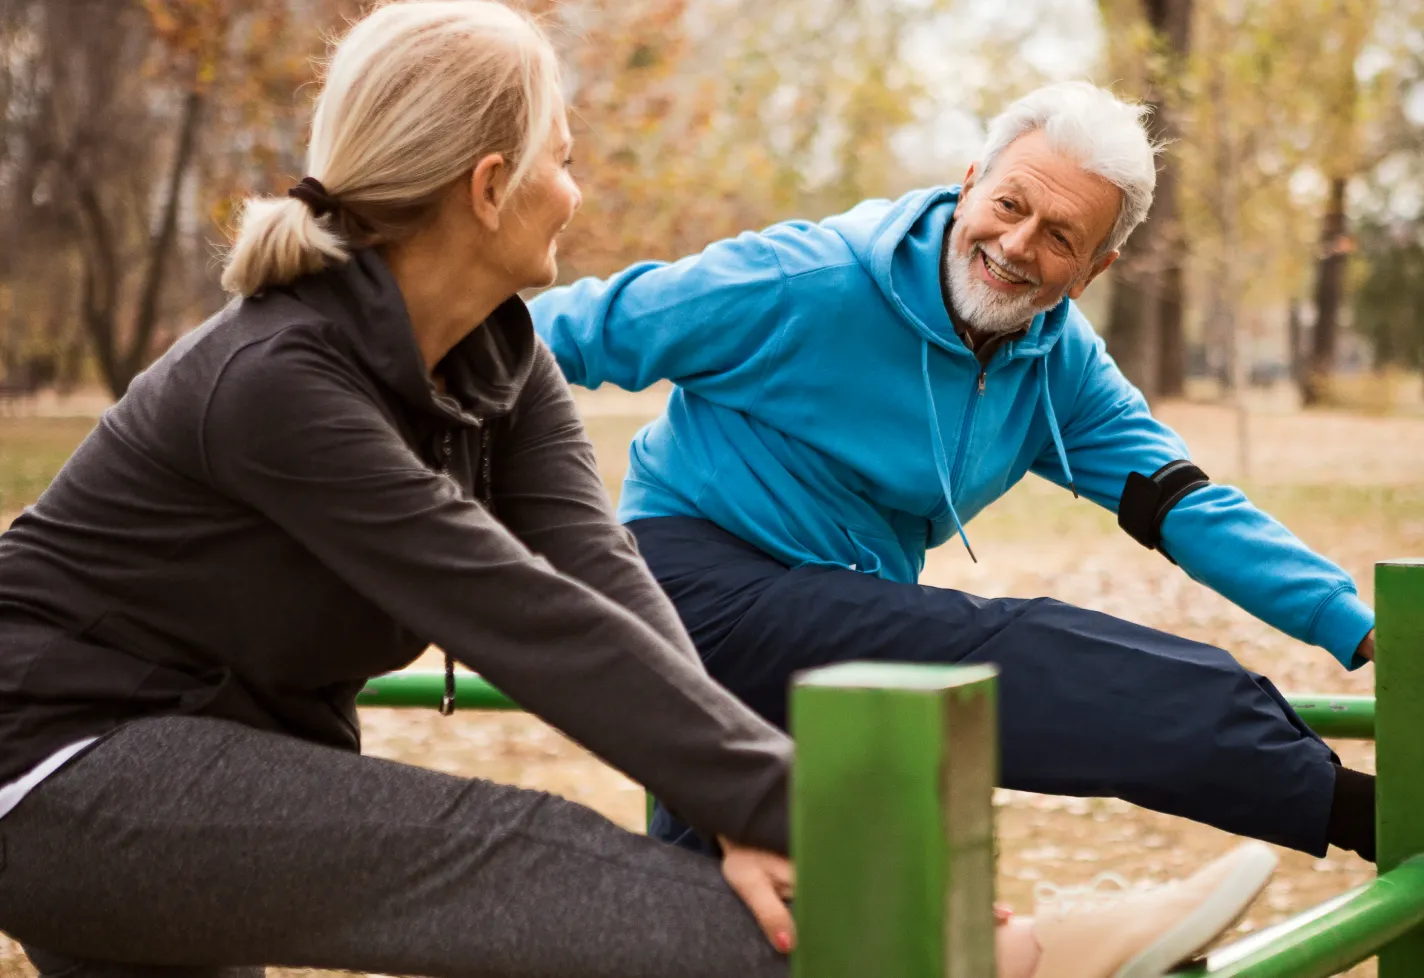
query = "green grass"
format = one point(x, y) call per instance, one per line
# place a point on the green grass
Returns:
point(32, 450)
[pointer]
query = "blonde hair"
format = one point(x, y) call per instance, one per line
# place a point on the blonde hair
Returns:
point(415, 94)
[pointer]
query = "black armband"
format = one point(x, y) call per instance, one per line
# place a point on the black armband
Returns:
point(1146, 502)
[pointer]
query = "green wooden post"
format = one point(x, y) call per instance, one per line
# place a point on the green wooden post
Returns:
point(1399, 737)
point(892, 821)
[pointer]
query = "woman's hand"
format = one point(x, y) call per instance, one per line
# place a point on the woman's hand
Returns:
point(764, 881)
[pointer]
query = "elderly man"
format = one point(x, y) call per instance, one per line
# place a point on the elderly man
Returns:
point(853, 392)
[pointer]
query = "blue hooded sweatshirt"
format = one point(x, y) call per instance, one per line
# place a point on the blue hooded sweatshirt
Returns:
point(826, 411)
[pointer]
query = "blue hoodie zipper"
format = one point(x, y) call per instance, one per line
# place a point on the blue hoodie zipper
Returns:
point(961, 449)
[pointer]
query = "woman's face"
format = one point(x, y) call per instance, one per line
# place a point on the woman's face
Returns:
point(540, 209)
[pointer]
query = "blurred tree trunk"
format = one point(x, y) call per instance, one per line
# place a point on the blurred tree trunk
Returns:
point(1172, 355)
point(1341, 155)
point(123, 353)
point(1295, 338)
point(120, 121)
point(1145, 318)
point(1329, 292)
point(1172, 20)
point(1134, 316)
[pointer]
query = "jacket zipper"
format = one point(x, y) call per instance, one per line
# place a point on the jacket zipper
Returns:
point(446, 450)
point(485, 491)
point(483, 494)
point(960, 449)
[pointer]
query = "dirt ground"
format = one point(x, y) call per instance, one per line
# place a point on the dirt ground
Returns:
point(1352, 486)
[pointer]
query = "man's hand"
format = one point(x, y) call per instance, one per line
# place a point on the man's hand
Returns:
point(1367, 647)
point(764, 881)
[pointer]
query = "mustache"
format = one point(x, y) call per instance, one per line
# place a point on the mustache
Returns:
point(1005, 264)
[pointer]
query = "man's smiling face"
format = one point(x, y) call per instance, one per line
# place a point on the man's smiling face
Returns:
point(1026, 234)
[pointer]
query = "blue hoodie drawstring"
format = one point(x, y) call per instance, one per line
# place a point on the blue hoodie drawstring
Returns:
point(1042, 369)
point(940, 456)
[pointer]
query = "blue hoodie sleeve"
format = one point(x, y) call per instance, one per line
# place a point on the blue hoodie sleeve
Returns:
point(691, 321)
point(1217, 536)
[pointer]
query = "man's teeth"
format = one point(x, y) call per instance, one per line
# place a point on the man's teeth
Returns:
point(1001, 276)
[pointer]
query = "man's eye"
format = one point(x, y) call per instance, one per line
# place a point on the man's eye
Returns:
point(1006, 204)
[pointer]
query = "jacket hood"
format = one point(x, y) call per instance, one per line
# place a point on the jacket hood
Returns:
point(899, 242)
point(484, 372)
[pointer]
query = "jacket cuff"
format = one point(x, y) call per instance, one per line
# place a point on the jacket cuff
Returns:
point(1341, 625)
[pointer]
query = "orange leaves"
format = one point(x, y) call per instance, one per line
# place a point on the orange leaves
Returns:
point(191, 35)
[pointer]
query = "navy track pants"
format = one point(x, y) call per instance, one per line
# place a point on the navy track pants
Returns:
point(1089, 705)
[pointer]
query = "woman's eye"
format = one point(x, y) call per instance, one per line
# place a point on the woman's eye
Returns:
point(1006, 204)
point(568, 162)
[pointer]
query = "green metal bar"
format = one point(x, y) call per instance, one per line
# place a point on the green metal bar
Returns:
point(1328, 714)
point(1334, 936)
point(1336, 717)
point(892, 822)
point(1399, 749)
point(425, 687)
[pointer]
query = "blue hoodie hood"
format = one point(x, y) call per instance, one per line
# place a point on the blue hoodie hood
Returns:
point(893, 244)
point(893, 239)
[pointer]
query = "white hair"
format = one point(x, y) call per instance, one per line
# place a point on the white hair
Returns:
point(1105, 134)
point(415, 94)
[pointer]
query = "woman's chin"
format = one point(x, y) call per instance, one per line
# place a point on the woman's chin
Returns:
point(545, 276)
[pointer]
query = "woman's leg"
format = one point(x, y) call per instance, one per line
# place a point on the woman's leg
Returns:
point(197, 842)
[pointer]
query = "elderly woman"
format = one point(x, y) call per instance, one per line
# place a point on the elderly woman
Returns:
point(366, 452)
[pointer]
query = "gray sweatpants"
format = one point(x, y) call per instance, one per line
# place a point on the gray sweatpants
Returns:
point(206, 845)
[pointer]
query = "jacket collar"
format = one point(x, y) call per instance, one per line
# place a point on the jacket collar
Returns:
point(484, 373)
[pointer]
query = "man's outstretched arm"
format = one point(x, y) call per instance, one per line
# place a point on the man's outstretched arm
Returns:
point(690, 321)
point(1214, 532)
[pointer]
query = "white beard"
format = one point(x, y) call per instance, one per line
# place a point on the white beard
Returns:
point(977, 306)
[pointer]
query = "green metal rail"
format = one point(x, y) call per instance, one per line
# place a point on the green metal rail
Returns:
point(1337, 717)
point(422, 687)
point(1399, 738)
point(893, 825)
point(1334, 936)
point(1328, 714)
point(1385, 916)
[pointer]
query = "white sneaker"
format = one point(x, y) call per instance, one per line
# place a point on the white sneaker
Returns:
point(1106, 930)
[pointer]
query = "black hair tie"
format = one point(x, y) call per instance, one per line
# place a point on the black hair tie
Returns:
point(310, 192)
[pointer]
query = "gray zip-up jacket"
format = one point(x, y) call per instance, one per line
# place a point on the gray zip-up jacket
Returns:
point(283, 506)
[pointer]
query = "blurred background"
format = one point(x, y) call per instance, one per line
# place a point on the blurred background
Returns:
point(1283, 253)
point(1272, 307)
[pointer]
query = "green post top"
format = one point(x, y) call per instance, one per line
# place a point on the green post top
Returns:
point(892, 821)
point(896, 676)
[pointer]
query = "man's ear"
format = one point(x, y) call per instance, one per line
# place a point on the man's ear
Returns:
point(1098, 267)
point(489, 182)
point(969, 177)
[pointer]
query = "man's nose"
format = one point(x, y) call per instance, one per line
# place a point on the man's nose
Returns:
point(1017, 242)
